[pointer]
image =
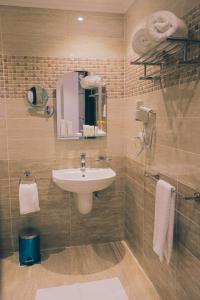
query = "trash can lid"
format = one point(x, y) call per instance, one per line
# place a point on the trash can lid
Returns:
point(29, 233)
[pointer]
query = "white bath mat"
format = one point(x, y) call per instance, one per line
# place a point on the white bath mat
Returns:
point(108, 289)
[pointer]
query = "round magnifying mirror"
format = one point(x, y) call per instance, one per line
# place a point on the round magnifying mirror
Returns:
point(37, 96)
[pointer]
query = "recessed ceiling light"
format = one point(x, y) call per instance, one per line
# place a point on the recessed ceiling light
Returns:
point(80, 19)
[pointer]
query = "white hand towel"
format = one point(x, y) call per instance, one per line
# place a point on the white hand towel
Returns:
point(28, 198)
point(164, 220)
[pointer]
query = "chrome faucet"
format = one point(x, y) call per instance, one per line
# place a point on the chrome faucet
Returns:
point(82, 162)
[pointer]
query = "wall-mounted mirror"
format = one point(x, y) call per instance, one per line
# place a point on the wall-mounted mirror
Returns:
point(37, 97)
point(81, 106)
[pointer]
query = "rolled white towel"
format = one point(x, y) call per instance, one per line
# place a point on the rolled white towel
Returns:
point(163, 24)
point(142, 42)
point(91, 81)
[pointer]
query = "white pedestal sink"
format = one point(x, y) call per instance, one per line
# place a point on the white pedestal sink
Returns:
point(84, 183)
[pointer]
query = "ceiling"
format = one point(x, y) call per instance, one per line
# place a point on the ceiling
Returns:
point(112, 6)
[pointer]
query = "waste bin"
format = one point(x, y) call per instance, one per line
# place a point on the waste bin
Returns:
point(29, 246)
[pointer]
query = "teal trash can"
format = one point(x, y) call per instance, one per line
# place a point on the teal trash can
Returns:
point(29, 247)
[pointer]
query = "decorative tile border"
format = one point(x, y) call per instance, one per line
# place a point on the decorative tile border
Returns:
point(20, 72)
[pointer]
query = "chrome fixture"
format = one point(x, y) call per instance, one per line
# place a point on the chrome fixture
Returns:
point(103, 158)
point(156, 177)
point(37, 98)
point(159, 56)
point(82, 162)
point(27, 177)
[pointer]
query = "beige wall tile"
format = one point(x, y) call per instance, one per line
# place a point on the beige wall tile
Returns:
point(134, 226)
point(187, 285)
point(135, 171)
point(37, 148)
point(34, 127)
point(188, 234)
point(94, 47)
point(132, 148)
point(18, 108)
point(39, 168)
point(135, 191)
point(3, 127)
point(4, 199)
point(188, 169)
point(167, 132)
point(68, 46)
point(2, 108)
point(101, 225)
point(188, 138)
point(190, 209)
point(3, 147)
point(38, 45)
point(157, 160)
point(53, 224)
point(4, 169)
point(32, 21)
point(163, 277)
point(6, 246)
point(61, 35)
point(187, 98)
point(97, 24)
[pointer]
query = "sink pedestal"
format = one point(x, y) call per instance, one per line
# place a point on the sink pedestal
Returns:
point(84, 202)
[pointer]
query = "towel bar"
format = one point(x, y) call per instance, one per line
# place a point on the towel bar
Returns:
point(156, 177)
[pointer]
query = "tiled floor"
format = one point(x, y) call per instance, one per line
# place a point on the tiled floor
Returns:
point(72, 265)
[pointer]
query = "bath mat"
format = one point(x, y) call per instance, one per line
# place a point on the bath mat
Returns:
point(108, 289)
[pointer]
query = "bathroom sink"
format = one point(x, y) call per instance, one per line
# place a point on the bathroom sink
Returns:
point(84, 183)
point(88, 181)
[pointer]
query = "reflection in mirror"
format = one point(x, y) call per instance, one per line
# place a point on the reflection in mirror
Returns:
point(37, 97)
point(81, 106)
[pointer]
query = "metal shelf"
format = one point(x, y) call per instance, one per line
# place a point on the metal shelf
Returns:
point(166, 53)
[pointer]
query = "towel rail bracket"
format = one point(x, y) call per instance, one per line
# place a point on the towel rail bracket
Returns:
point(195, 196)
point(27, 175)
point(161, 56)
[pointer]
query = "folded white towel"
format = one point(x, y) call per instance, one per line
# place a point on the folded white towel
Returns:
point(91, 81)
point(164, 220)
point(28, 198)
point(163, 24)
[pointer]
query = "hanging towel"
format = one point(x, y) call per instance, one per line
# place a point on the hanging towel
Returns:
point(163, 24)
point(164, 220)
point(28, 198)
